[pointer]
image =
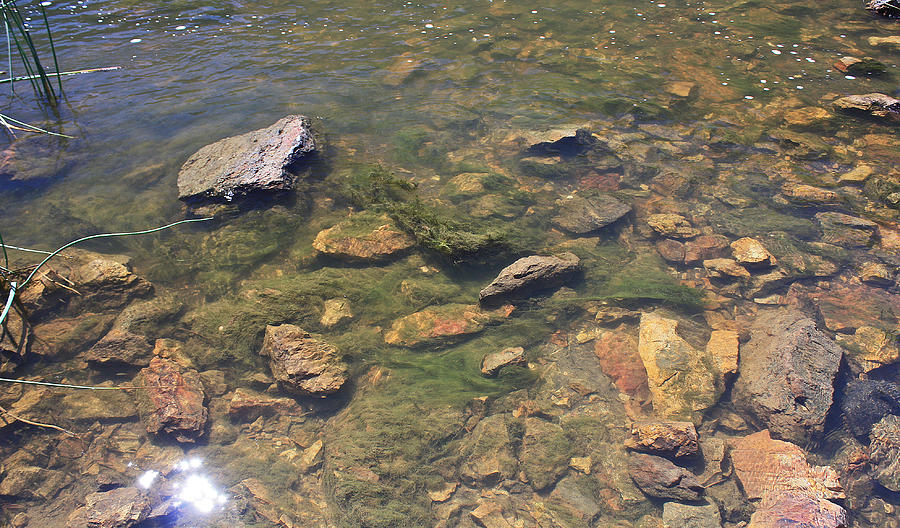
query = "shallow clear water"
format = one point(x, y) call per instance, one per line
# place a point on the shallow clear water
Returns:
point(431, 91)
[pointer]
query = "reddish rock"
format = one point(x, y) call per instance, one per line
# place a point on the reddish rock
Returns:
point(660, 478)
point(302, 363)
point(705, 247)
point(768, 467)
point(619, 359)
point(249, 405)
point(671, 250)
point(440, 325)
point(675, 439)
point(798, 509)
point(847, 306)
point(172, 400)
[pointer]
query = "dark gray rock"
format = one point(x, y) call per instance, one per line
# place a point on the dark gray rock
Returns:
point(117, 508)
point(872, 104)
point(528, 275)
point(660, 478)
point(573, 145)
point(493, 362)
point(258, 161)
point(301, 363)
point(884, 452)
point(866, 402)
point(581, 216)
point(786, 374)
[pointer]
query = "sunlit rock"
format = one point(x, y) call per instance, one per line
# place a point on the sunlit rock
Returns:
point(672, 225)
point(441, 325)
point(529, 275)
point(116, 508)
point(677, 439)
point(172, 401)
point(581, 216)
point(363, 238)
point(302, 363)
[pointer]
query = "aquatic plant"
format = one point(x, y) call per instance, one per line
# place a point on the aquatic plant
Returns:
point(17, 32)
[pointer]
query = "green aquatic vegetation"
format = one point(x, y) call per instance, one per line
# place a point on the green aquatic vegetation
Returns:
point(414, 146)
point(645, 279)
point(759, 220)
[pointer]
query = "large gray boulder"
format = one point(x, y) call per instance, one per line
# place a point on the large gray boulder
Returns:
point(528, 275)
point(786, 374)
point(258, 161)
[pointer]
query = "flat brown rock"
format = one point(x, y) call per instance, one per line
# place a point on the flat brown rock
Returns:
point(363, 238)
point(172, 401)
point(302, 363)
point(676, 439)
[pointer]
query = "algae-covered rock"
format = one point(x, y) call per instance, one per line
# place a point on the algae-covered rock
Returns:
point(869, 348)
point(672, 225)
point(678, 515)
point(545, 452)
point(580, 215)
point(488, 455)
point(258, 161)
point(441, 325)
point(682, 379)
point(363, 237)
point(845, 230)
point(302, 363)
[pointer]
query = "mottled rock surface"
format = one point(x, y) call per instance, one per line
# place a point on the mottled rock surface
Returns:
point(545, 452)
point(363, 238)
point(798, 509)
point(492, 363)
point(678, 515)
point(751, 252)
point(120, 348)
point(786, 374)
point(872, 104)
point(676, 439)
point(172, 402)
point(866, 402)
point(581, 216)
point(249, 405)
point(845, 230)
point(884, 452)
point(660, 478)
point(619, 359)
point(672, 225)
point(302, 363)
point(258, 161)
point(488, 451)
point(528, 275)
point(441, 325)
point(116, 508)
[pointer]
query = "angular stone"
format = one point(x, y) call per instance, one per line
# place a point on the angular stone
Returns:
point(258, 161)
point(545, 452)
point(672, 226)
point(363, 238)
point(660, 478)
point(489, 514)
point(847, 306)
point(528, 275)
point(63, 336)
point(798, 509)
point(680, 88)
point(872, 104)
point(335, 312)
point(786, 374)
point(116, 508)
point(488, 453)
point(678, 515)
point(302, 363)
point(876, 274)
point(249, 405)
point(723, 346)
point(581, 216)
point(767, 467)
point(723, 267)
point(858, 174)
point(866, 402)
point(674, 439)
point(680, 378)
point(845, 230)
point(751, 252)
point(563, 142)
point(705, 247)
point(32, 483)
point(120, 348)
point(869, 348)
point(442, 325)
point(619, 359)
point(884, 452)
point(574, 500)
point(492, 363)
point(172, 401)
point(803, 194)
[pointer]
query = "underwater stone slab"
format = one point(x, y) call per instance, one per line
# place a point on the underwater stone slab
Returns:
point(302, 363)
point(798, 509)
point(660, 478)
point(845, 230)
point(442, 325)
point(258, 161)
point(116, 508)
point(885, 452)
point(581, 216)
point(363, 238)
point(492, 363)
point(528, 275)
point(786, 374)
point(173, 400)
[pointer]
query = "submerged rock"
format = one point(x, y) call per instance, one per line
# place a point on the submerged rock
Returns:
point(619, 359)
point(751, 252)
point(871, 104)
point(885, 8)
point(869, 348)
point(570, 144)
point(492, 363)
point(866, 402)
point(798, 509)
point(884, 452)
point(845, 230)
point(545, 452)
point(786, 374)
point(672, 225)
point(249, 405)
point(660, 478)
point(581, 216)
point(441, 325)
point(116, 508)
point(120, 348)
point(528, 275)
point(488, 453)
point(172, 401)
point(258, 161)
point(678, 515)
point(681, 378)
point(301, 363)
point(335, 312)
point(676, 439)
point(768, 467)
point(363, 238)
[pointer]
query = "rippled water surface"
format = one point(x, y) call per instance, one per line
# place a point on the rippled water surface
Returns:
point(718, 111)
